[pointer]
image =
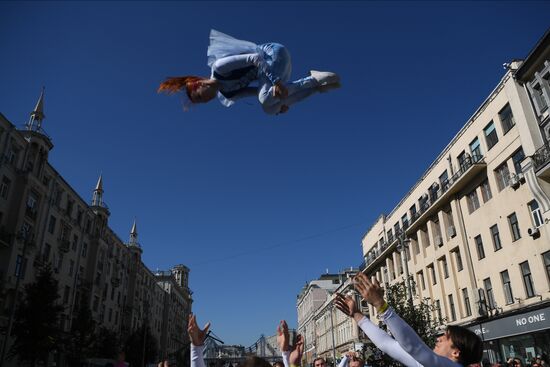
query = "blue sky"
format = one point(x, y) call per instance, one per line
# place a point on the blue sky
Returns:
point(255, 205)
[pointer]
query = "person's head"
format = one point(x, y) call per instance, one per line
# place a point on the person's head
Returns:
point(319, 362)
point(460, 345)
point(278, 364)
point(356, 362)
point(198, 89)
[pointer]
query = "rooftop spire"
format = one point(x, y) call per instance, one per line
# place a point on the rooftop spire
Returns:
point(97, 198)
point(133, 236)
point(37, 115)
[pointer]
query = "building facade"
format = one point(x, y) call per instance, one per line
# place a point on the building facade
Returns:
point(328, 333)
point(473, 232)
point(43, 220)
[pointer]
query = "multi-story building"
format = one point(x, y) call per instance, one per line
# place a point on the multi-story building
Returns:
point(311, 297)
point(44, 221)
point(473, 231)
point(335, 332)
point(328, 333)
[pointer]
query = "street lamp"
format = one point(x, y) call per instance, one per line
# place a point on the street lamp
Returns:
point(402, 246)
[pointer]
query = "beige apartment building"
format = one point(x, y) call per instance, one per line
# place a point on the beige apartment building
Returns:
point(327, 332)
point(473, 231)
point(43, 220)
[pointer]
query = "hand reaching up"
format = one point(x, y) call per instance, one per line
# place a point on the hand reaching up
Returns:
point(197, 335)
point(283, 336)
point(295, 357)
point(371, 291)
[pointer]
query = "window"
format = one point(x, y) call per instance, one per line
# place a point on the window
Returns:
point(405, 221)
point(463, 160)
point(546, 259)
point(20, 265)
point(444, 266)
point(540, 100)
point(507, 286)
point(51, 224)
point(496, 237)
point(506, 118)
point(412, 211)
point(444, 180)
point(514, 226)
point(75, 242)
point(502, 175)
point(490, 296)
point(423, 284)
point(438, 308)
point(96, 303)
point(432, 273)
point(517, 157)
point(486, 191)
point(479, 247)
point(491, 136)
point(475, 149)
point(459, 265)
point(466, 298)
point(452, 307)
point(84, 249)
point(5, 187)
point(473, 201)
point(46, 252)
point(535, 213)
point(71, 267)
point(527, 279)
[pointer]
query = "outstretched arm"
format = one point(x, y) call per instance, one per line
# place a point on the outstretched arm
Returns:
point(226, 65)
point(381, 339)
point(283, 342)
point(403, 333)
point(197, 337)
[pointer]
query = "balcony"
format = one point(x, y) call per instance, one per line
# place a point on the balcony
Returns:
point(471, 166)
point(541, 160)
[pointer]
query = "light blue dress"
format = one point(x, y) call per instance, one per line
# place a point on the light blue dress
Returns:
point(244, 69)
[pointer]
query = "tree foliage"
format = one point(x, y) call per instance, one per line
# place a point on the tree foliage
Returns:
point(419, 316)
point(141, 346)
point(79, 342)
point(107, 344)
point(36, 328)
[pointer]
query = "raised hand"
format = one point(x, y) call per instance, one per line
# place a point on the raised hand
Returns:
point(295, 357)
point(196, 335)
point(345, 304)
point(283, 336)
point(371, 291)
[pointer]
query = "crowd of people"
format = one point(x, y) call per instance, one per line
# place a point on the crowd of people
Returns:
point(456, 347)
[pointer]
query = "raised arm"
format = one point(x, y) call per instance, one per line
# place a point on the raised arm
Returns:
point(407, 338)
point(381, 339)
point(197, 337)
point(226, 65)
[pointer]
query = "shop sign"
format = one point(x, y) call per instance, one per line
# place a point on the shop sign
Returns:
point(514, 325)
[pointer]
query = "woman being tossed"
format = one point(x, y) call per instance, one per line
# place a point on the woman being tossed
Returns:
point(458, 347)
point(243, 69)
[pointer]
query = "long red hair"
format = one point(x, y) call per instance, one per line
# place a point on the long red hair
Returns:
point(174, 84)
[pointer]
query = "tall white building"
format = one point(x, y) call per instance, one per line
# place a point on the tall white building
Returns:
point(473, 231)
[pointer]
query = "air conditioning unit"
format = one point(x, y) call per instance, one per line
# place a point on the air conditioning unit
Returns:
point(451, 231)
point(514, 181)
point(439, 241)
point(534, 231)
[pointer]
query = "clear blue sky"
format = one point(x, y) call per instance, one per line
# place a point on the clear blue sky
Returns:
point(255, 205)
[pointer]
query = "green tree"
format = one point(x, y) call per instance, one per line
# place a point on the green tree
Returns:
point(418, 316)
point(36, 327)
point(79, 342)
point(107, 344)
point(141, 346)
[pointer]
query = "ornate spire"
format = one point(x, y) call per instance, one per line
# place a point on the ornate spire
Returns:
point(97, 199)
point(37, 115)
point(133, 236)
